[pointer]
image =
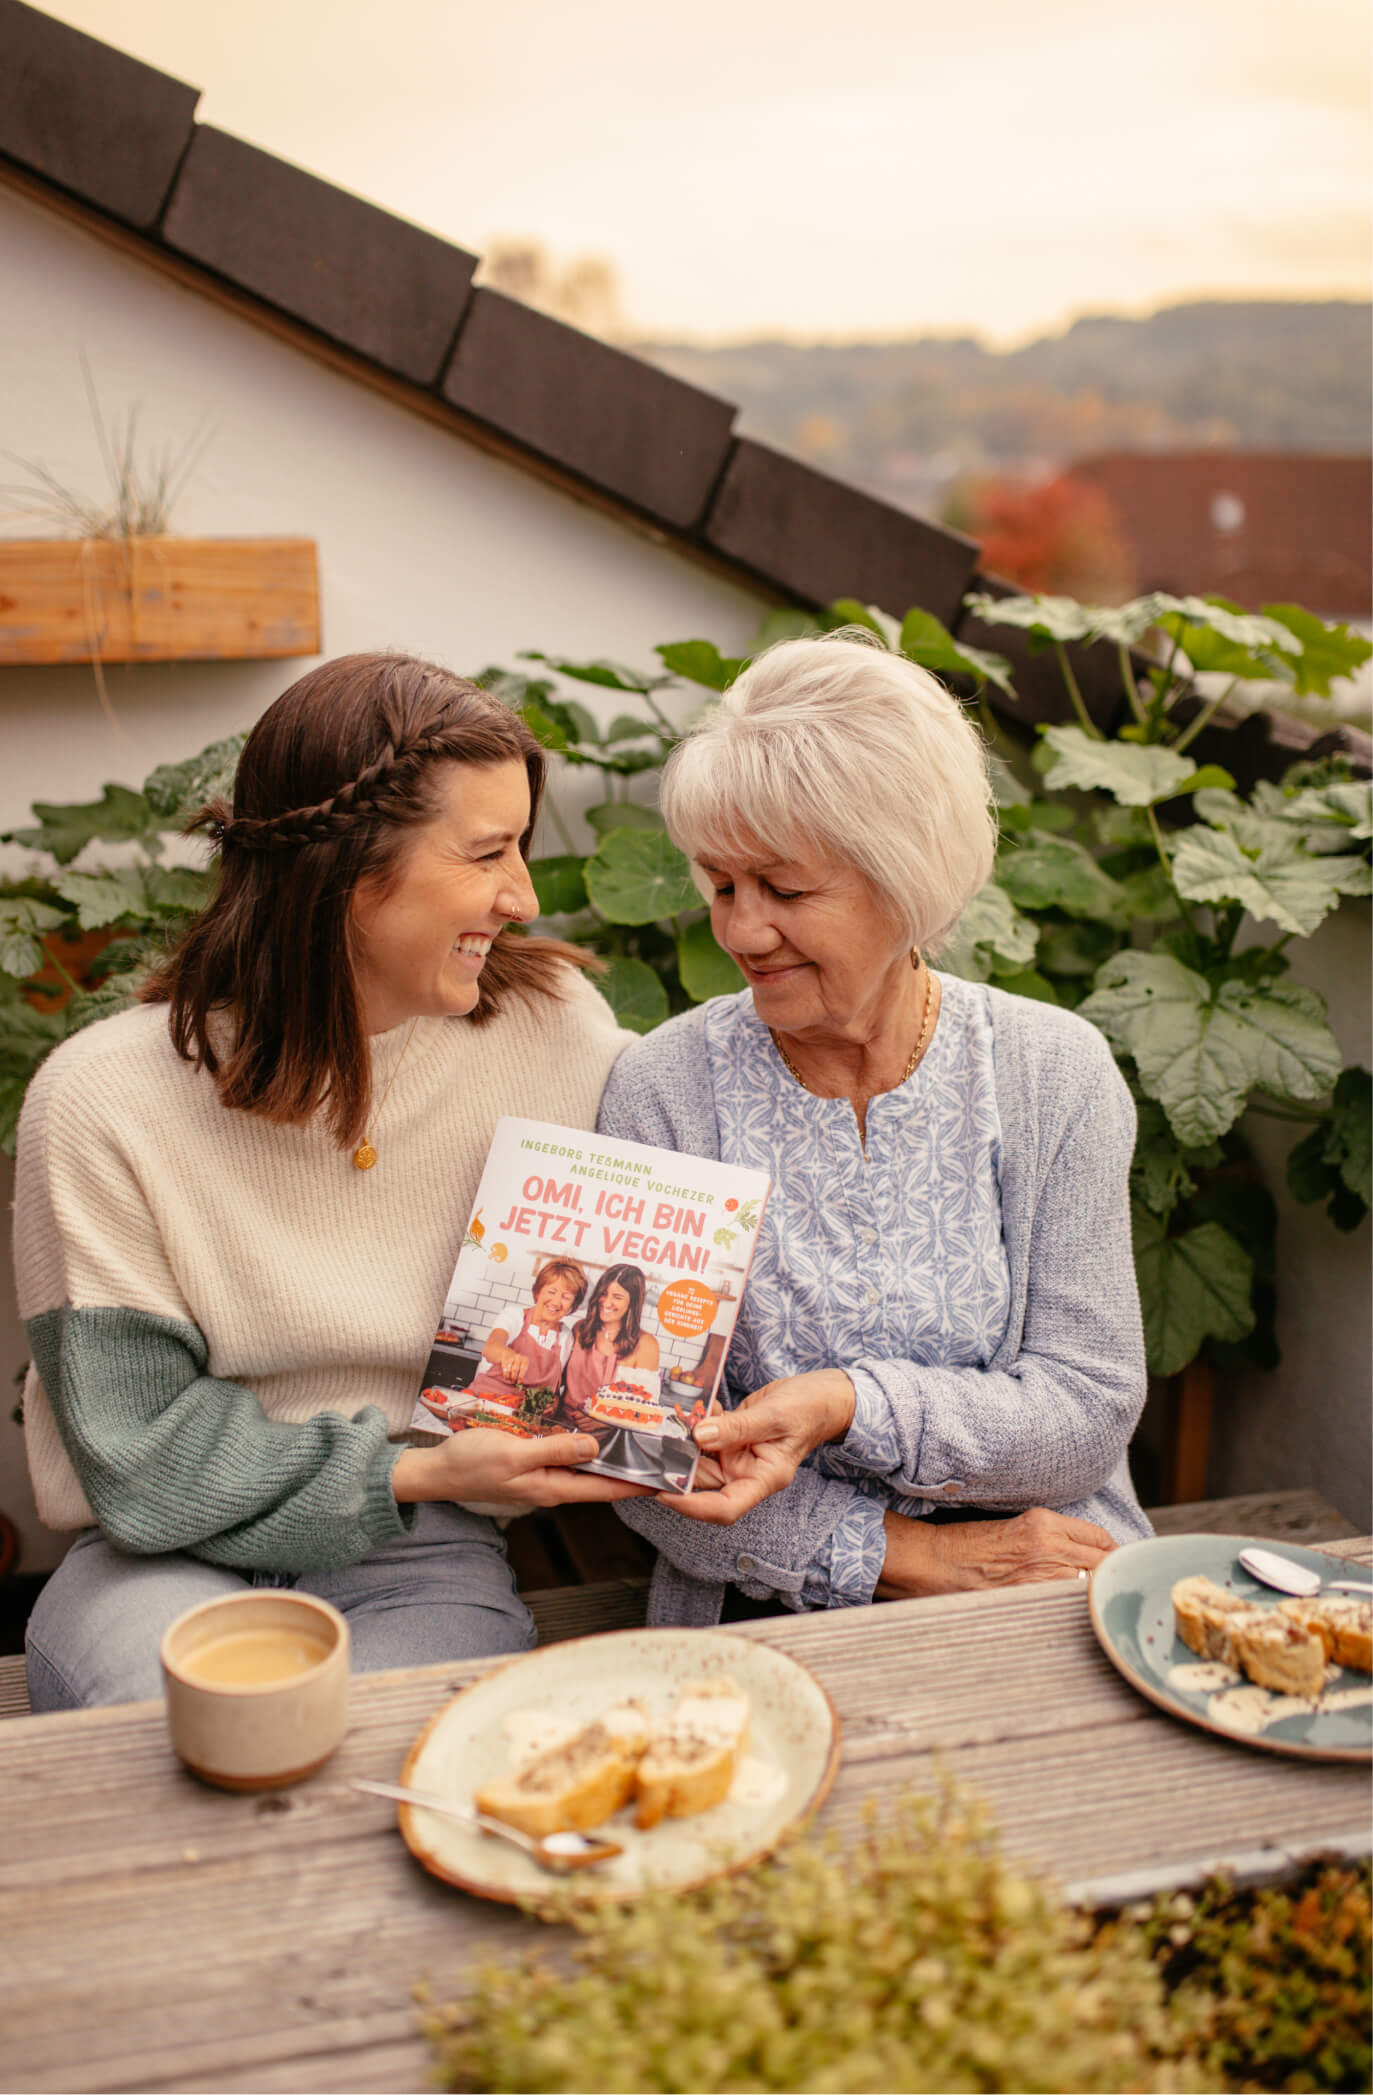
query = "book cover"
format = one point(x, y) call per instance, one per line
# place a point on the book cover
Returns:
point(596, 1289)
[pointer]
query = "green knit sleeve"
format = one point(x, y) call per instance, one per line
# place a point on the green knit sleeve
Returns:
point(171, 1458)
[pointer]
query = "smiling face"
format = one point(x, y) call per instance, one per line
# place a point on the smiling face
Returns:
point(614, 1303)
point(555, 1298)
point(816, 946)
point(420, 939)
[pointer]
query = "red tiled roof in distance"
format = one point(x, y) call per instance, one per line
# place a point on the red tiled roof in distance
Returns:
point(1259, 527)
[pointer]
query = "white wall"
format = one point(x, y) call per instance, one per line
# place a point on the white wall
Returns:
point(425, 543)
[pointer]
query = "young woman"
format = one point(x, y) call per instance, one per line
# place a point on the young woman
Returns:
point(609, 1337)
point(238, 1204)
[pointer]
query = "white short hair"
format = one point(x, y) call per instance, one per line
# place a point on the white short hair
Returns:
point(846, 748)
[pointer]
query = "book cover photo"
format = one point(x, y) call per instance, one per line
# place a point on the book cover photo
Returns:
point(595, 1290)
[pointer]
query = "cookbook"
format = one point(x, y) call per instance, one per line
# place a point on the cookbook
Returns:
point(595, 1290)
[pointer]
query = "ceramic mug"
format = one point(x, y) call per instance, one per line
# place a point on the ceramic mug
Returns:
point(257, 1688)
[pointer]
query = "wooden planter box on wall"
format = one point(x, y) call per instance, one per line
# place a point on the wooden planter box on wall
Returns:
point(157, 599)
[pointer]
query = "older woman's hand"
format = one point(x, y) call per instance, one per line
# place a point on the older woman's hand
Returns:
point(760, 1447)
point(962, 1556)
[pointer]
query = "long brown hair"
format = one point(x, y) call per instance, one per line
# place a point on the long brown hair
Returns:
point(331, 779)
point(631, 1279)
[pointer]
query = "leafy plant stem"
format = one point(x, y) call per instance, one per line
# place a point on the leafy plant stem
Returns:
point(1203, 719)
point(1075, 694)
point(1127, 671)
point(73, 985)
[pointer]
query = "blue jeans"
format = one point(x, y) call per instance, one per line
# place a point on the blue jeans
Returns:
point(444, 1591)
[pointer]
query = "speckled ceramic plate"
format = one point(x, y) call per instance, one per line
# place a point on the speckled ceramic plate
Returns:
point(1132, 1614)
point(793, 1749)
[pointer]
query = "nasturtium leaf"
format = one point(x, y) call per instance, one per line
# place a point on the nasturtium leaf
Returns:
point(139, 893)
point(1047, 872)
point(1027, 982)
point(992, 937)
point(559, 884)
point(175, 792)
point(1283, 883)
point(1200, 1050)
point(622, 814)
point(626, 727)
point(1327, 651)
point(1192, 1287)
point(1134, 775)
point(118, 816)
point(634, 994)
point(706, 970)
point(612, 676)
point(924, 640)
point(848, 611)
point(637, 876)
point(23, 920)
point(1050, 617)
point(1335, 1161)
point(701, 662)
point(1346, 808)
point(1074, 949)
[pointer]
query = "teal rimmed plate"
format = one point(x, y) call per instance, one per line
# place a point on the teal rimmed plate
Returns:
point(1132, 1614)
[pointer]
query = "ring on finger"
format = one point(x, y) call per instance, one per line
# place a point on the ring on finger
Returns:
point(1081, 1573)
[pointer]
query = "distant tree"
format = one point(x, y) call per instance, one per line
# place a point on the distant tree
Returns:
point(1059, 537)
point(584, 292)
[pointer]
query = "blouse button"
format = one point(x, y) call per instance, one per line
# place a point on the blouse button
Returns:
point(746, 1563)
point(867, 1236)
point(873, 1298)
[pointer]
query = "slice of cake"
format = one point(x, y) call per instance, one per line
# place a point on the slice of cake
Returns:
point(1276, 1652)
point(1200, 1611)
point(690, 1761)
point(574, 1785)
point(1343, 1623)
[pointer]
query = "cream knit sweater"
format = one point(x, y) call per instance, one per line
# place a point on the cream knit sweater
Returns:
point(212, 1300)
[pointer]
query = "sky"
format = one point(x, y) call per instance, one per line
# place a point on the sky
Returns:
point(802, 168)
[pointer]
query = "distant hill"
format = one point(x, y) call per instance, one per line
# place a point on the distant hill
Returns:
point(909, 418)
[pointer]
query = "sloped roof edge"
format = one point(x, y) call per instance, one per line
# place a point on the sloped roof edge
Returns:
point(113, 143)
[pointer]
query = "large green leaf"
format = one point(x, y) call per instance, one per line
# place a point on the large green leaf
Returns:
point(1048, 872)
point(634, 994)
point(924, 640)
point(1134, 775)
point(1161, 1169)
point(638, 876)
point(701, 662)
point(559, 883)
point(516, 690)
point(1327, 651)
point(992, 937)
point(145, 894)
point(1074, 949)
point(1282, 883)
point(612, 676)
point(1191, 1287)
point(705, 968)
point(1346, 808)
point(119, 816)
point(622, 814)
point(23, 920)
point(1335, 1161)
point(1200, 1050)
point(175, 792)
point(628, 727)
point(1048, 617)
point(848, 611)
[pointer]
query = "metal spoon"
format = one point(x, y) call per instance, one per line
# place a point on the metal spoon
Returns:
point(559, 1852)
point(1287, 1577)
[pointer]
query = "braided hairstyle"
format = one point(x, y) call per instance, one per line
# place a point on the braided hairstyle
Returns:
point(333, 777)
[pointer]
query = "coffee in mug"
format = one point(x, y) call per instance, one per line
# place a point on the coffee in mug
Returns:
point(257, 1688)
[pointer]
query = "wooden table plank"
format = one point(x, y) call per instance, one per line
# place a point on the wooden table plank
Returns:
point(156, 1934)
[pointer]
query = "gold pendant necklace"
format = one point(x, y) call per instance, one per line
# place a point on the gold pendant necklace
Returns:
point(926, 1018)
point(365, 1155)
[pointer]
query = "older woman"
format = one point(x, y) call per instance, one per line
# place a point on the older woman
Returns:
point(941, 1323)
point(239, 1203)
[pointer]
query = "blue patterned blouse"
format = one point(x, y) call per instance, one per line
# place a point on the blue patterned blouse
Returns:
point(865, 1259)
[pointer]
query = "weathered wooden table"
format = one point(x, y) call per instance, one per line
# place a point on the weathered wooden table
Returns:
point(157, 1935)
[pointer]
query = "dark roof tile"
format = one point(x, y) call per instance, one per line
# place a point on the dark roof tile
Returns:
point(101, 124)
point(363, 277)
point(634, 430)
point(819, 538)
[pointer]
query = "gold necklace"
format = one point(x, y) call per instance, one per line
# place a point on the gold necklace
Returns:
point(926, 1017)
point(365, 1155)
